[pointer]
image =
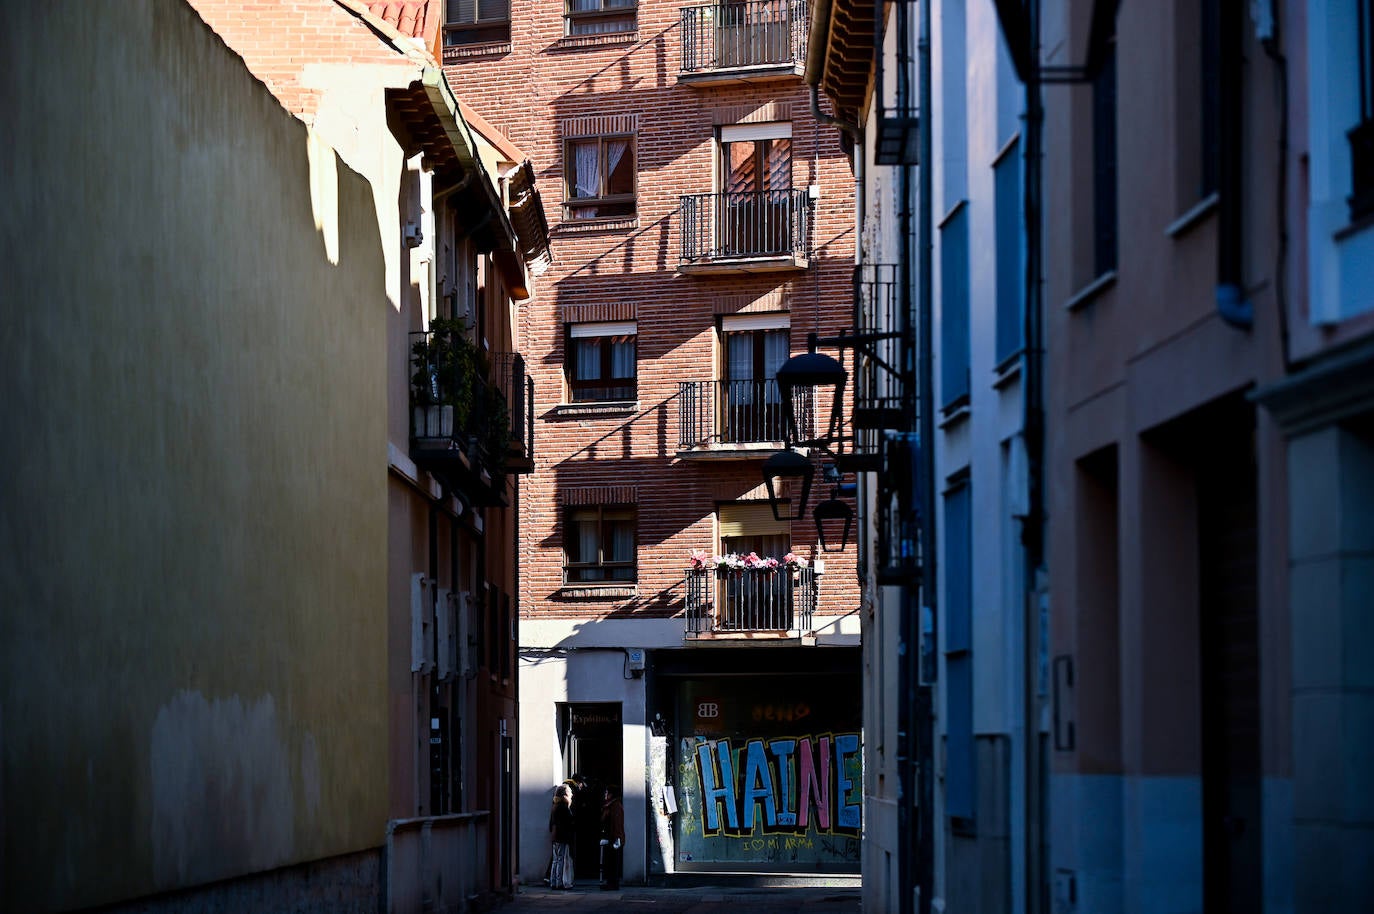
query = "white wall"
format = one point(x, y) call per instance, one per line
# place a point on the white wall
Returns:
point(553, 676)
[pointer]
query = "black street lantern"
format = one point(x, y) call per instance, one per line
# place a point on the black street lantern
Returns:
point(811, 369)
point(829, 514)
point(782, 468)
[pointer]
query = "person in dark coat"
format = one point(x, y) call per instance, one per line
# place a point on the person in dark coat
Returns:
point(561, 825)
point(612, 839)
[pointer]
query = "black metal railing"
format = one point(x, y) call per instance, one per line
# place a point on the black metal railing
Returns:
point(517, 389)
point(724, 600)
point(877, 317)
point(722, 36)
point(724, 226)
point(468, 408)
point(739, 412)
point(897, 140)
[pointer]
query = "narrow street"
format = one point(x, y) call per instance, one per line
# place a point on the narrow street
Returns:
point(810, 899)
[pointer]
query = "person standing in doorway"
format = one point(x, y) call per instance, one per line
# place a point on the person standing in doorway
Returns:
point(561, 825)
point(612, 839)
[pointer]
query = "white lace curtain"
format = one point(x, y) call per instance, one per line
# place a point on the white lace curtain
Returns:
point(598, 25)
point(588, 359)
point(775, 352)
point(589, 179)
point(623, 357)
point(587, 162)
point(740, 367)
point(622, 546)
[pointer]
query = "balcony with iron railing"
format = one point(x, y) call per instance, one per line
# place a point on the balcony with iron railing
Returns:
point(738, 419)
point(472, 414)
point(755, 41)
point(878, 319)
point(724, 602)
point(750, 232)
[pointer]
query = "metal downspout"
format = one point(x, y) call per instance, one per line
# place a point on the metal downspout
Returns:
point(1033, 525)
point(922, 609)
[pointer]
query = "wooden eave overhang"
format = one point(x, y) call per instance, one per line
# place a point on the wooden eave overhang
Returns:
point(527, 215)
point(841, 51)
point(431, 117)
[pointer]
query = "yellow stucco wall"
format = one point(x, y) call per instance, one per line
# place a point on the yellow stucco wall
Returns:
point(193, 514)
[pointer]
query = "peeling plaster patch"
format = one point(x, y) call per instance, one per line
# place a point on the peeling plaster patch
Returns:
point(222, 792)
point(310, 774)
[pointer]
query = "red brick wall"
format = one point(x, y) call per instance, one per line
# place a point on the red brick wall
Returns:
point(632, 269)
point(277, 39)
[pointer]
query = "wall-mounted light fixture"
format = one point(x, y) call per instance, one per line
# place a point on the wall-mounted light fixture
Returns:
point(834, 520)
point(783, 468)
point(808, 370)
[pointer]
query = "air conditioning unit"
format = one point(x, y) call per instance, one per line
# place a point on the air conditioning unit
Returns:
point(421, 623)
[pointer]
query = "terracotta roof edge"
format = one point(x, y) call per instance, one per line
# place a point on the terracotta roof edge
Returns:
point(494, 136)
point(404, 44)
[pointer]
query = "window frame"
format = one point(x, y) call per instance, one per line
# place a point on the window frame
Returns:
point(606, 334)
point(462, 32)
point(572, 202)
point(570, 567)
point(603, 13)
point(1009, 251)
point(758, 345)
point(956, 341)
point(761, 136)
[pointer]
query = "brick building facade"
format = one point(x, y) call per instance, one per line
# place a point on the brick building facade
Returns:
point(702, 226)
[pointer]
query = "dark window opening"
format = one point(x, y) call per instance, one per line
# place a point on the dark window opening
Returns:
point(752, 400)
point(600, 544)
point(1010, 253)
point(600, 177)
point(476, 21)
point(599, 17)
point(1104, 165)
point(602, 368)
point(1210, 57)
point(955, 340)
point(1361, 136)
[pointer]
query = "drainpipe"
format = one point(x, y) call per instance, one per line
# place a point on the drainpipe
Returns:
point(1033, 525)
point(1230, 293)
point(855, 134)
point(921, 612)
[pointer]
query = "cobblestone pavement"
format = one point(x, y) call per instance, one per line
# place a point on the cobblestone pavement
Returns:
point(695, 900)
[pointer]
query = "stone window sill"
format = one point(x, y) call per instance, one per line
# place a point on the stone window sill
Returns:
point(597, 591)
point(609, 409)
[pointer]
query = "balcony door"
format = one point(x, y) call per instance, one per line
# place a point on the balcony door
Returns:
point(754, 600)
point(753, 405)
point(756, 184)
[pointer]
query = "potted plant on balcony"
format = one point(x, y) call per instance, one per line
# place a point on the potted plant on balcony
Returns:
point(444, 365)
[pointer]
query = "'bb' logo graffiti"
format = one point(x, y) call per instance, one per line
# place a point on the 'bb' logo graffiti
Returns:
point(708, 709)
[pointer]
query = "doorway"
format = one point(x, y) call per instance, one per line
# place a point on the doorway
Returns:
point(592, 747)
point(756, 184)
point(753, 400)
point(1228, 547)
